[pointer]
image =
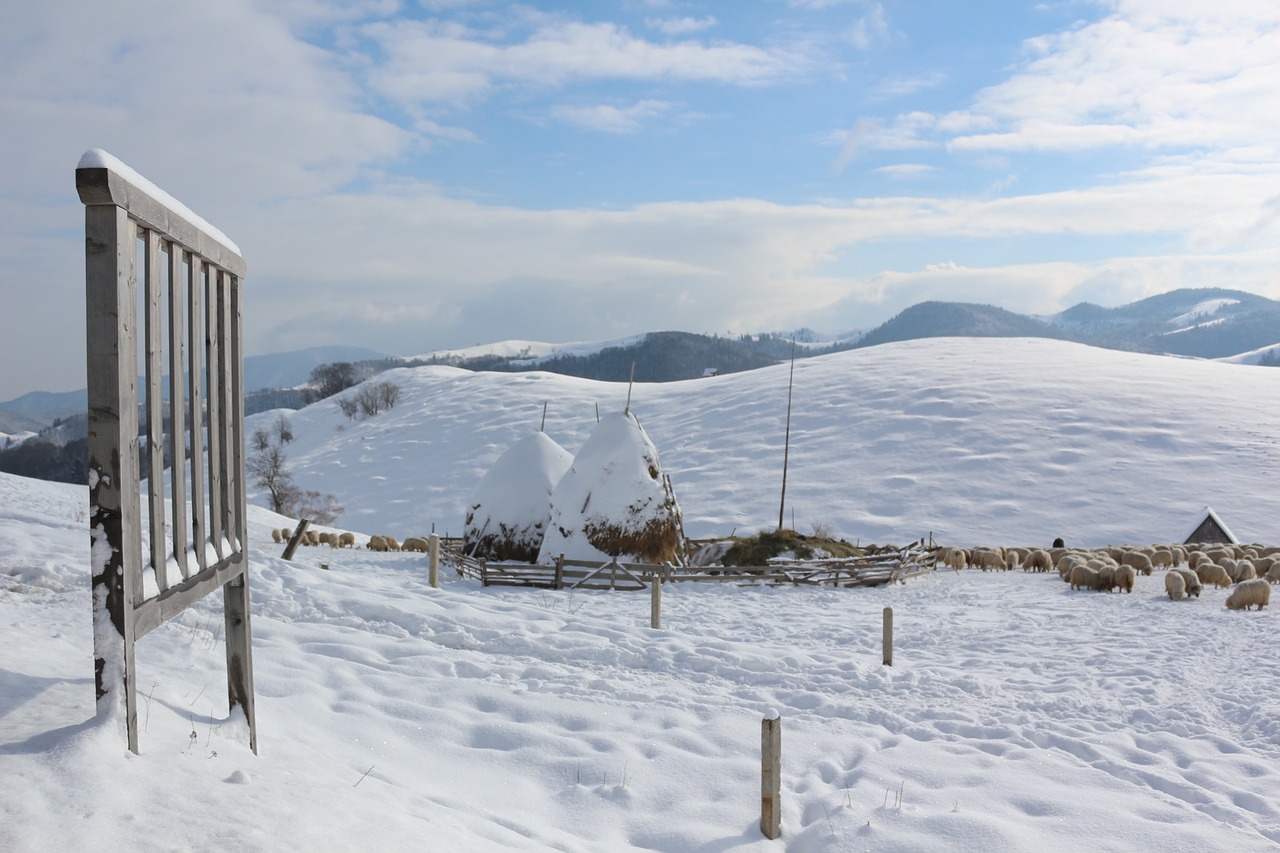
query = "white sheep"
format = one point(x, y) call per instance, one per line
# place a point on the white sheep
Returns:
point(378, 543)
point(275, 535)
point(1273, 573)
point(1212, 573)
point(1083, 577)
point(954, 558)
point(1162, 558)
point(1037, 561)
point(415, 543)
point(1124, 578)
point(1191, 580)
point(346, 540)
point(392, 544)
point(1140, 561)
point(988, 558)
point(1175, 585)
point(1245, 570)
point(1249, 593)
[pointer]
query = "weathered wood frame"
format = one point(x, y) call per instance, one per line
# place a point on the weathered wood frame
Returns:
point(190, 554)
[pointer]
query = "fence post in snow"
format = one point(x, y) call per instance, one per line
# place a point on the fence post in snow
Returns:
point(888, 636)
point(433, 561)
point(771, 775)
point(296, 539)
point(655, 600)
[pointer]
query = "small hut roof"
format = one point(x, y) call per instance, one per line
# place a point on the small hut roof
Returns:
point(613, 501)
point(1208, 516)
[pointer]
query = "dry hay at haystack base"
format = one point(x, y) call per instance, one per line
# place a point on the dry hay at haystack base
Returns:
point(508, 511)
point(614, 501)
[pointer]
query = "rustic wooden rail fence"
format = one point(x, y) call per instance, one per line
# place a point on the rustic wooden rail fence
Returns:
point(875, 567)
point(191, 328)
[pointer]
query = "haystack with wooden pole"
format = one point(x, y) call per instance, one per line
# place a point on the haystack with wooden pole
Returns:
point(614, 501)
point(508, 511)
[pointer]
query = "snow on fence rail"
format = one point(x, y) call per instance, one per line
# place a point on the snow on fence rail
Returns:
point(875, 567)
point(191, 329)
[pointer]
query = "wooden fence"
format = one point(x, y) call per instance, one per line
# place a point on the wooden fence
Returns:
point(190, 308)
point(875, 567)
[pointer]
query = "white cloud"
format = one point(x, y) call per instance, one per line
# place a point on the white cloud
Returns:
point(681, 26)
point(434, 62)
point(906, 170)
point(608, 118)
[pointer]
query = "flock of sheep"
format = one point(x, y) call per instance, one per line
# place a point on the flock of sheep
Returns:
point(348, 540)
point(1248, 570)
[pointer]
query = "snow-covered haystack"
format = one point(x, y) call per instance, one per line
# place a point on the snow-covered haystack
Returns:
point(508, 510)
point(614, 501)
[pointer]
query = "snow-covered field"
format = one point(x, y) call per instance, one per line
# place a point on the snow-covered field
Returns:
point(1018, 715)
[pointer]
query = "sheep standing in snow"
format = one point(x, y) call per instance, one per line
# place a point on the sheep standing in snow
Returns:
point(1140, 561)
point(378, 543)
point(1245, 570)
point(275, 535)
point(415, 543)
point(1175, 586)
point(1083, 577)
point(346, 540)
point(1191, 580)
point(1212, 573)
point(1037, 561)
point(1249, 593)
point(988, 558)
point(954, 558)
point(1124, 578)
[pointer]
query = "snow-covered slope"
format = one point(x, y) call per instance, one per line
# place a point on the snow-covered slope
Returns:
point(972, 440)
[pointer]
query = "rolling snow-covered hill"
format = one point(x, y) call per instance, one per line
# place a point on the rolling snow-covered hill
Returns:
point(972, 440)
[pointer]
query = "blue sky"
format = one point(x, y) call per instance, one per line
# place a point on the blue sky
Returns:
point(422, 175)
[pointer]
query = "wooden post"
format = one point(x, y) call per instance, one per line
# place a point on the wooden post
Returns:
point(433, 561)
point(771, 777)
point(888, 636)
point(655, 599)
point(560, 572)
point(295, 540)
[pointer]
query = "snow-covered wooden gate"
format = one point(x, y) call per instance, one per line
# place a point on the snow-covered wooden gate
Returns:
point(190, 328)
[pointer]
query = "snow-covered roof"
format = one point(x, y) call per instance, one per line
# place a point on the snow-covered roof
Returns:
point(1208, 513)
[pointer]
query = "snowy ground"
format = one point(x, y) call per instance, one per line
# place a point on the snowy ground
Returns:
point(1018, 715)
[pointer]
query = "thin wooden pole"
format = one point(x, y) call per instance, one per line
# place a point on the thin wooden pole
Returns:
point(630, 382)
point(295, 540)
point(887, 639)
point(786, 451)
point(655, 599)
point(543, 427)
point(771, 777)
point(433, 561)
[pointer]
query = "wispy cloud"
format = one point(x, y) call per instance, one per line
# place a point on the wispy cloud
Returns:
point(437, 62)
point(681, 26)
point(609, 118)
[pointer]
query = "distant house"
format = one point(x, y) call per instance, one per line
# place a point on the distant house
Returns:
point(711, 371)
point(1210, 528)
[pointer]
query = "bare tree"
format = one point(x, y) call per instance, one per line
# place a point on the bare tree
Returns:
point(267, 468)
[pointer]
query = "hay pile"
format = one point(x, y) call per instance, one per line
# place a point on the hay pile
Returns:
point(614, 501)
point(508, 511)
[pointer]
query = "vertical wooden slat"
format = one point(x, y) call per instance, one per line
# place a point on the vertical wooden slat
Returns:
point(177, 407)
point(114, 493)
point(152, 302)
point(195, 338)
point(213, 402)
point(226, 387)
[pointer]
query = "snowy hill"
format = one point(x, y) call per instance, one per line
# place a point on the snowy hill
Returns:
point(974, 440)
point(1018, 714)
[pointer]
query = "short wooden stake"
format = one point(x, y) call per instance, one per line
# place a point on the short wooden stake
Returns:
point(433, 561)
point(771, 777)
point(888, 636)
point(655, 599)
point(295, 539)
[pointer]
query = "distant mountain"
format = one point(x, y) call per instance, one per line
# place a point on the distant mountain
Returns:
point(959, 320)
point(1200, 322)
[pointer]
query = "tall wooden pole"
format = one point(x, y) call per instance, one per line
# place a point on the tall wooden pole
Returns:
point(786, 450)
